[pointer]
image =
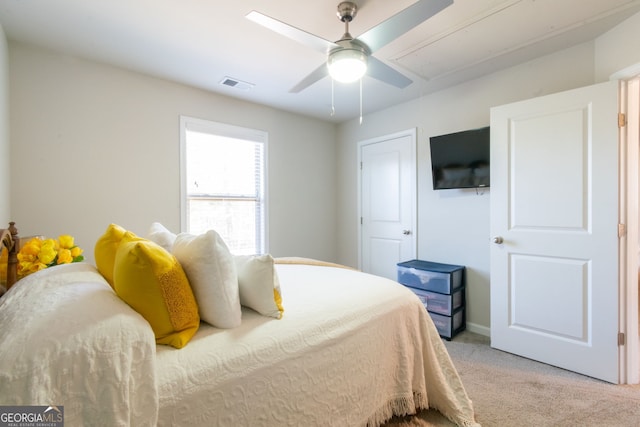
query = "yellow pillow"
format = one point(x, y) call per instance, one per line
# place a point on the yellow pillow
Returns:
point(153, 283)
point(105, 251)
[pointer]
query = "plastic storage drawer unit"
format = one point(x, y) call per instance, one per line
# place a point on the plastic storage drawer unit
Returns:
point(440, 303)
point(431, 276)
point(441, 289)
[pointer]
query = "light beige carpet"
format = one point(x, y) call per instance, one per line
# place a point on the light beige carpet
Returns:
point(508, 390)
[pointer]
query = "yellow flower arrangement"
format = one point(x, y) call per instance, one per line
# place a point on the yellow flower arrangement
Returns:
point(38, 254)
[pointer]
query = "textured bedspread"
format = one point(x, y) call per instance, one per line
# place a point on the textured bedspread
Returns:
point(66, 339)
point(351, 350)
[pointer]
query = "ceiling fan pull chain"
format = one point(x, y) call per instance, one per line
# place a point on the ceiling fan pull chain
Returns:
point(360, 100)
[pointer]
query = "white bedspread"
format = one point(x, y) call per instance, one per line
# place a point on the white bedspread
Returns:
point(351, 350)
point(67, 339)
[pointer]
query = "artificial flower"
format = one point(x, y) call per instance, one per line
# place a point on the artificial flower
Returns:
point(66, 241)
point(76, 252)
point(64, 256)
point(47, 252)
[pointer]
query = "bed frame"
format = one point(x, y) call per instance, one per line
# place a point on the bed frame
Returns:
point(9, 239)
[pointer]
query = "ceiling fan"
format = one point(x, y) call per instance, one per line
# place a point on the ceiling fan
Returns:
point(354, 55)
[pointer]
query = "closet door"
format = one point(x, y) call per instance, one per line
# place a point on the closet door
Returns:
point(387, 204)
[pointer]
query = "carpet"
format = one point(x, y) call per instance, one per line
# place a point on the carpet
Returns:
point(511, 391)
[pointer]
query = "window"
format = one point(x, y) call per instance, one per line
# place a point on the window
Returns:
point(223, 183)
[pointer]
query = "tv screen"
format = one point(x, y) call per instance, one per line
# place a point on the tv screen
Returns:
point(460, 159)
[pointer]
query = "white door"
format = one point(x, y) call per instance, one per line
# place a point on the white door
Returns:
point(554, 225)
point(387, 203)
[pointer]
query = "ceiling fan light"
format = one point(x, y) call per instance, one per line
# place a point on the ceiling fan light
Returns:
point(347, 65)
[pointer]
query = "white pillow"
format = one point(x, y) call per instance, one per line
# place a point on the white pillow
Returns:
point(159, 234)
point(211, 271)
point(259, 284)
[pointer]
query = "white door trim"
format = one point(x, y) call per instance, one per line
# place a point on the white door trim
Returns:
point(629, 361)
point(412, 133)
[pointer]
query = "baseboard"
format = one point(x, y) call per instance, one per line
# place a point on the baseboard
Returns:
point(478, 329)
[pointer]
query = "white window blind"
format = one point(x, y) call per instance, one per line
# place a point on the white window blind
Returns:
point(223, 183)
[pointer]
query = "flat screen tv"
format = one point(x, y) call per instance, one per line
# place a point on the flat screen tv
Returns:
point(460, 159)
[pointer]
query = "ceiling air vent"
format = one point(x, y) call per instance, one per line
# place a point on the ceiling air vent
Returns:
point(236, 84)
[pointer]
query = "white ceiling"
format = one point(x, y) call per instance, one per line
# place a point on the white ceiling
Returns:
point(200, 42)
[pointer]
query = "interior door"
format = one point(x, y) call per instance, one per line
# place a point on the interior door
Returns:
point(554, 217)
point(387, 203)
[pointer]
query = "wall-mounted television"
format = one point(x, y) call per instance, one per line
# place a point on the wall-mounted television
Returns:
point(460, 159)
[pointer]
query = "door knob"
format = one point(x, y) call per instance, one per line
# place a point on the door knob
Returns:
point(406, 232)
point(498, 240)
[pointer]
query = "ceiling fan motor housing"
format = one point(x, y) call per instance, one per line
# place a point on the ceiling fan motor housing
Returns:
point(352, 44)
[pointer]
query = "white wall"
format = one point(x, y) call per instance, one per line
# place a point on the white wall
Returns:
point(5, 165)
point(453, 225)
point(93, 144)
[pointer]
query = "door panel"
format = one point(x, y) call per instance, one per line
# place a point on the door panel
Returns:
point(540, 163)
point(387, 203)
point(554, 203)
point(383, 172)
point(564, 314)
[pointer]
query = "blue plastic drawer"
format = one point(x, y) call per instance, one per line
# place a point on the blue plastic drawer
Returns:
point(440, 303)
point(431, 276)
point(448, 326)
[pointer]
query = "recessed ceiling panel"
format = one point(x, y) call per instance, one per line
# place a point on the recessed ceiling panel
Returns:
point(499, 28)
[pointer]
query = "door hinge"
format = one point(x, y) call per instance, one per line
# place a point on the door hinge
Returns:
point(360, 165)
point(622, 230)
point(361, 221)
point(622, 120)
point(621, 338)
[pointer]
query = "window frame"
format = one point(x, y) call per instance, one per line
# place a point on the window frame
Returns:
point(230, 131)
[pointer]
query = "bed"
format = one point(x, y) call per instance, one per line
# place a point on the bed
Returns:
point(350, 349)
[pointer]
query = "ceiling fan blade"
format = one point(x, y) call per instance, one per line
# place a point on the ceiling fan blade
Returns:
point(319, 73)
point(301, 36)
point(401, 22)
point(381, 71)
